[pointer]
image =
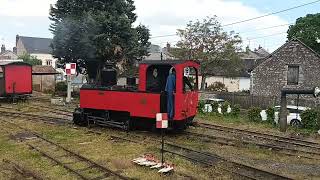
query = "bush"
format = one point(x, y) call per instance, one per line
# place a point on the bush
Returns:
point(270, 115)
point(254, 114)
point(235, 110)
point(217, 86)
point(215, 106)
point(61, 87)
point(311, 119)
point(201, 106)
point(224, 107)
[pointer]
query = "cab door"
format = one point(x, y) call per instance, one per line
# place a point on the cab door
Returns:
point(190, 92)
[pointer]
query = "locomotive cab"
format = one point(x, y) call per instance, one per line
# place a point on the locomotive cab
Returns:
point(138, 108)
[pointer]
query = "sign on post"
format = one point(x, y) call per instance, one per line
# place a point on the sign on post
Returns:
point(71, 69)
point(162, 121)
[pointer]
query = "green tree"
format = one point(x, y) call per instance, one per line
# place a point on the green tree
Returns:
point(207, 42)
point(94, 32)
point(306, 29)
point(27, 58)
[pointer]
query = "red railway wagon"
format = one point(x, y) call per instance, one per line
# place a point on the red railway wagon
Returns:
point(15, 79)
point(134, 107)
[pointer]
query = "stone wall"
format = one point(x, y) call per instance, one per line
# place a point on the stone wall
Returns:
point(271, 76)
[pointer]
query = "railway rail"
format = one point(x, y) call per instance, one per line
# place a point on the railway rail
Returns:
point(75, 163)
point(276, 147)
point(291, 140)
point(26, 173)
point(205, 158)
point(34, 117)
point(210, 159)
point(279, 142)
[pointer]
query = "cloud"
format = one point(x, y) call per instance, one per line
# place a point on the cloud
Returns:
point(25, 8)
point(166, 16)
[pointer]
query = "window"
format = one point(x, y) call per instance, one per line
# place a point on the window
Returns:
point(49, 62)
point(293, 75)
point(1, 75)
point(190, 79)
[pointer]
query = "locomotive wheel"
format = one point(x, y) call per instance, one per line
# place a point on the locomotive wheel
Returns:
point(79, 118)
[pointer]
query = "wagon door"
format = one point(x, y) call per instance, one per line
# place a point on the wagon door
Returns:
point(18, 79)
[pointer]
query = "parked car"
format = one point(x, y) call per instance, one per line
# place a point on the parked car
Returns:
point(293, 117)
point(208, 105)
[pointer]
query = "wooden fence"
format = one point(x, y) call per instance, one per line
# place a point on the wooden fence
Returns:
point(246, 100)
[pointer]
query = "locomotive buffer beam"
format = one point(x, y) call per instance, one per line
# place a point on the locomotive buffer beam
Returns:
point(103, 122)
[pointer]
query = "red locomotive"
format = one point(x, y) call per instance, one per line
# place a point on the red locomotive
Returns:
point(15, 79)
point(134, 105)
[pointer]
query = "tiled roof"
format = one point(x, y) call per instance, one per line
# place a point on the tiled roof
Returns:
point(36, 45)
point(6, 62)
point(38, 69)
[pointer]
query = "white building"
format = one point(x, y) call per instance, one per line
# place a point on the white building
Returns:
point(38, 47)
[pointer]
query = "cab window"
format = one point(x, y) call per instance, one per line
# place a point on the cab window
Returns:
point(190, 79)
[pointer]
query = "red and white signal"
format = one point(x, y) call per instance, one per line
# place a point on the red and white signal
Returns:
point(71, 68)
point(162, 120)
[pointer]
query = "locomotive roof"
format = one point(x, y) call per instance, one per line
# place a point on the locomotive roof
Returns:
point(5, 63)
point(170, 62)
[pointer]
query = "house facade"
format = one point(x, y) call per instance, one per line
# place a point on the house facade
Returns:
point(294, 65)
point(38, 47)
point(241, 80)
point(6, 54)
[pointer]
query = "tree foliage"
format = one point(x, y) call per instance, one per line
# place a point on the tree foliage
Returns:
point(208, 42)
point(33, 60)
point(307, 30)
point(94, 32)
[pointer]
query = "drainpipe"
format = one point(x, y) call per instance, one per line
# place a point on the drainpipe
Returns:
point(283, 109)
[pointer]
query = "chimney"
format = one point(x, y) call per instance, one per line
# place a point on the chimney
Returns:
point(247, 49)
point(17, 39)
point(168, 47)
point(3, 49)
point(14, 50)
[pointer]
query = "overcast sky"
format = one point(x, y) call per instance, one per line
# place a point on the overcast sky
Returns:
point(163, 17)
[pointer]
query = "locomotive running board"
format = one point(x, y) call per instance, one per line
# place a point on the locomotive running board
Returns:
point(103, 122)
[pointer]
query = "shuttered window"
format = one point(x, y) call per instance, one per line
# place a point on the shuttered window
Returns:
point(293, 75)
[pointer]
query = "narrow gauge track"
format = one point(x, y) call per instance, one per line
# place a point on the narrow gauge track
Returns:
point(51, 109)
point(234, 142)
point(22, 170)
point(205, 158)
point(279, 139)
point(37, 118)
point(210, 159)
point(75, 163)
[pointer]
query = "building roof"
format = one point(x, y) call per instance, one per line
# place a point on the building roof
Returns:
point(43, 70)
point(35, 45)
point(11, 62)
point(249, 55)
point(267, 58)
point(261, 52)
point(8, 55)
